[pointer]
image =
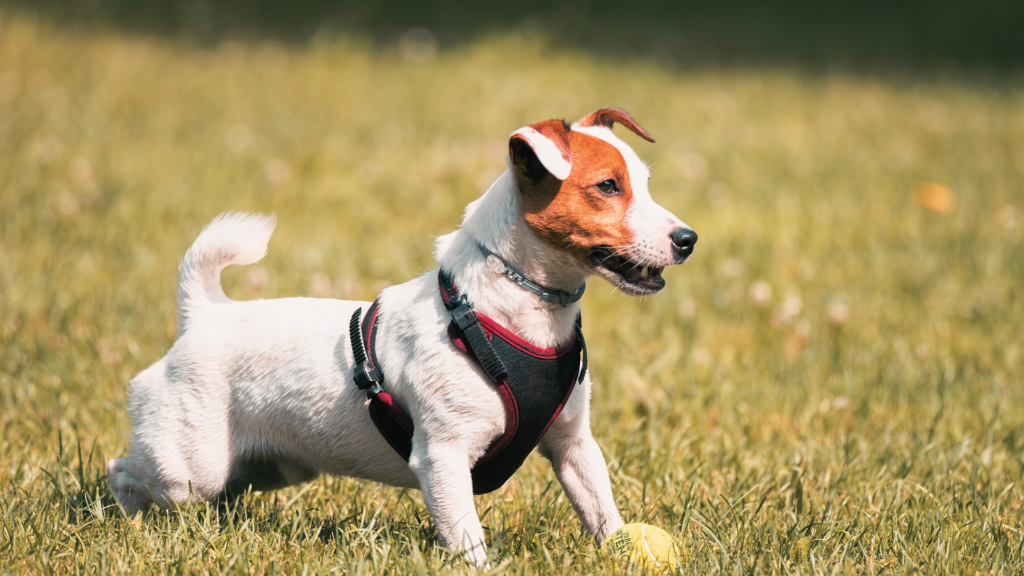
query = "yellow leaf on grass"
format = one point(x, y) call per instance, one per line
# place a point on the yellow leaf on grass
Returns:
point(935, 197)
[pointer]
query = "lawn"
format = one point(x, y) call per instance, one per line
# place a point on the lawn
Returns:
point(832, 384)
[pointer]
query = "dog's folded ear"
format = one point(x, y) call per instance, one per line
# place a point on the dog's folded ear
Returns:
point(607, 117)
point(541, 149)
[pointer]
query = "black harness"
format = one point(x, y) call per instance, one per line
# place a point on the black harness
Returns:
point(534, 383)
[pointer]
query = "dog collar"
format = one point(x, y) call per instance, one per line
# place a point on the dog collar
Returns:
point(545, 294)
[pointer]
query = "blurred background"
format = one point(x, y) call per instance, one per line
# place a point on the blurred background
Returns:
point(873, 35)
point(833, 379)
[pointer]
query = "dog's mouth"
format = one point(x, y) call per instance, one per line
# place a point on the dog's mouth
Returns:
point(627, 275)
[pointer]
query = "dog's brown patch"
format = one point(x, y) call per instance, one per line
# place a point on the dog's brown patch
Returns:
point(607, 117)
point(573, 215)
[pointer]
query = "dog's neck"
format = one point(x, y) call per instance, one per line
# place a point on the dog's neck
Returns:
point(495, 224)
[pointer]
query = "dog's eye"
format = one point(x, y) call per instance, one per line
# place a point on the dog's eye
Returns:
point(608, 187)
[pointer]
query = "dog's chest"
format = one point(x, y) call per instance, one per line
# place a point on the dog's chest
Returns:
point(534, 387)
point(538, 384)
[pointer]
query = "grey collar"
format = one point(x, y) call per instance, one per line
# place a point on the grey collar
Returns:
point(545, 294)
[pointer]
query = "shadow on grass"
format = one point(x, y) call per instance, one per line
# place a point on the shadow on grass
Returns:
point(867, 36)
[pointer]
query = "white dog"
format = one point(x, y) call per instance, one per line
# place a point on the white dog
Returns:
point(260, 394)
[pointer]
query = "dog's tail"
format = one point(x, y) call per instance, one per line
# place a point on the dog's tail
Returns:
point(231, 238)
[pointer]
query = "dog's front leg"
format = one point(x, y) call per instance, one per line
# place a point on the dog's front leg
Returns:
point(580, 466)
point(581, 469)
point(447, 488)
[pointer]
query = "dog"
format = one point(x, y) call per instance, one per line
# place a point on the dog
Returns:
point(260, 394)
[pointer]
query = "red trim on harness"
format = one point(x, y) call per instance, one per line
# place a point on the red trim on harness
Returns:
point(456, 338)
point(401, 438)
point(400, 416)
point(536, 351)
point(558, 410)
point(492, 328)
point(508, 400)
point(370, 340)
point(511, 424)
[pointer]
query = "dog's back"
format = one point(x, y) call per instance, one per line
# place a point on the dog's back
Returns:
point(254, 393)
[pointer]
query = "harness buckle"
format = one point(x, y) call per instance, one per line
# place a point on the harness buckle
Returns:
point(464, 316)
point(366, 376)
point(456, 302)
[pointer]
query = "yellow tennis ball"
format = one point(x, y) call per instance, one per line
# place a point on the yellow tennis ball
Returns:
point(644, 544)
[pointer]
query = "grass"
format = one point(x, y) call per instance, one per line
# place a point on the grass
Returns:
point(831, 385)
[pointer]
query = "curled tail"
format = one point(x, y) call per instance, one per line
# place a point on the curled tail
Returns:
point(231, 238)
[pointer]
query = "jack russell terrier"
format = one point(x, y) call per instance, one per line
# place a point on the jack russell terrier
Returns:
point(446, 383)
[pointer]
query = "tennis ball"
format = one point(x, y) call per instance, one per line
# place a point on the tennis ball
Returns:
point(644, 544)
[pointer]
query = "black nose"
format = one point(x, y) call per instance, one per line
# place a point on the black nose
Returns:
point(683, 240)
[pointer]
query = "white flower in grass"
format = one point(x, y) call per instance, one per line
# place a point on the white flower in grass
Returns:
point(760, 293)
point(838, 312)
point(278, 171)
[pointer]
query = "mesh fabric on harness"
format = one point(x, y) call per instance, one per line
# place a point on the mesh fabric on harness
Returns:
point(534, 383)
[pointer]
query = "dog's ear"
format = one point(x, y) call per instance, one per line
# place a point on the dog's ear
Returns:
point(541, 149)
point(608, 116)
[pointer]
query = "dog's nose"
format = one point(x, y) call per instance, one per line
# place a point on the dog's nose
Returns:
point(683, 240)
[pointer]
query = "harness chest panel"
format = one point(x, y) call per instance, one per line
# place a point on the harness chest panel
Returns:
point(534, 386)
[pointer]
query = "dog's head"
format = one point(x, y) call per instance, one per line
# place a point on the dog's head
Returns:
point(585, 194)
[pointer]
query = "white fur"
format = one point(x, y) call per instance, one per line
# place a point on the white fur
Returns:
point(273, 379)
point(547, 152)
point(232, 238)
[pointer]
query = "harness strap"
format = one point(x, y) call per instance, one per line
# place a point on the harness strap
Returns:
point(583, 362)
point(465, 318)
point(389, 418)
point(456, 303)
point(366, 375)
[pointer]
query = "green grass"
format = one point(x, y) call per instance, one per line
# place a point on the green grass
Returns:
point(862, 418)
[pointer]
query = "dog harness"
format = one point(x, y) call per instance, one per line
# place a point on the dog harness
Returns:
point(534, 383)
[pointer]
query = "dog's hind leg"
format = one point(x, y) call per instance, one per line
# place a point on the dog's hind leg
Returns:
point(180, 446)
point(167, 476)
point(130, 493)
